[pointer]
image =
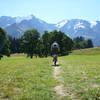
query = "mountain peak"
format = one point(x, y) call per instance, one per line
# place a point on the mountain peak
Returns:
point(19, 19)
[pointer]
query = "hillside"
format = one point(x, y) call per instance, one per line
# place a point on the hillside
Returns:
point(89, 51)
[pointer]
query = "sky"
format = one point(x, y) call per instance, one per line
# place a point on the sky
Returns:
point(52, 11)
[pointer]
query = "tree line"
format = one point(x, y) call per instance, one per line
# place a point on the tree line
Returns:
point(33, 44)
point(81, 43)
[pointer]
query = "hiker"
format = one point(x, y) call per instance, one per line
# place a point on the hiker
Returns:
point(54, 51)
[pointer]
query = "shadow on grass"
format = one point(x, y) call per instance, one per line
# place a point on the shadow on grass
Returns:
point(57, 65)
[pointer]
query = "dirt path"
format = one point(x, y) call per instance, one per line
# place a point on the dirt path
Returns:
point(59, 89)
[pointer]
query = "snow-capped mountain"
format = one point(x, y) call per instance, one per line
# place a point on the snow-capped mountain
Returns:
point(87, 29)
point(16, 26)
point(19, 19)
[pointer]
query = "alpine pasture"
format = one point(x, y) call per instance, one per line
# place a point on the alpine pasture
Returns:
point(23, 78)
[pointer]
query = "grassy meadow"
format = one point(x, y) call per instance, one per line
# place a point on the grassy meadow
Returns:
point(88, 51)
point(23, 78)
point(26, 79)
point(81, 76)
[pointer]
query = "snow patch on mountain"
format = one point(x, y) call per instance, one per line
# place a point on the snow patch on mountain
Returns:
point(19, 19)
point(7, 25)
point(41, 21)
point(61, 24)
point(93, 23)
point(79, 25)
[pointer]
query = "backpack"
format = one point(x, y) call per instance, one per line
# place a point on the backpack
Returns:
point(55, 48)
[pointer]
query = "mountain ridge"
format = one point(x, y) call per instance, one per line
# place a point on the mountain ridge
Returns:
point(16, 26)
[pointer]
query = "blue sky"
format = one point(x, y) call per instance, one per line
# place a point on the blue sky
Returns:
point(52, 11)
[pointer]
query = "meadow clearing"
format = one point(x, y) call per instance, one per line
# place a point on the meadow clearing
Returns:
point(23, 78)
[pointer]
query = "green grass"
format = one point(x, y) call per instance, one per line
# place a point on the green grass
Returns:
point(32, 79)
point(89, 51)
point(26, 79)
point(81, 75)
